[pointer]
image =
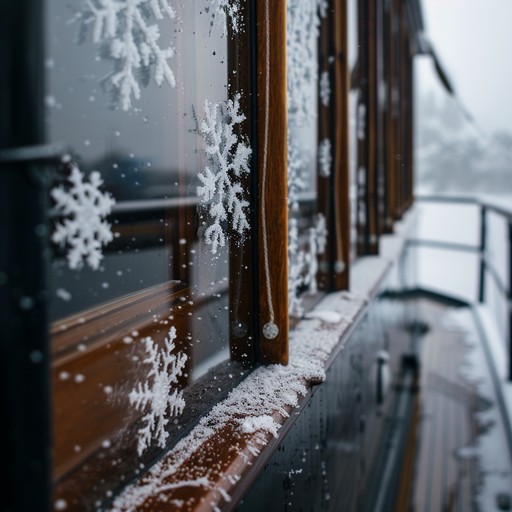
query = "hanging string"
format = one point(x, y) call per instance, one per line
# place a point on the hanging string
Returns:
point(270, 329)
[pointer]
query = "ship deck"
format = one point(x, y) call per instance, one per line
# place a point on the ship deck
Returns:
point(458, 451)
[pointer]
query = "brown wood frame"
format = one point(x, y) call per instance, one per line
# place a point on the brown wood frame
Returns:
point(341, 146)
point(91, 344)
point(103, 327)
point(391, 117)
point(271, 31)
point(380, 103)
point(333, 191)
point(243, 314)
point(367, 233)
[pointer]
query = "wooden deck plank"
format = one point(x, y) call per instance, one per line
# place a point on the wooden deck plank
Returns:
point(442, 480)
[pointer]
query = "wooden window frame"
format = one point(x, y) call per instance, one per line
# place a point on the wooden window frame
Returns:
point(130, 313)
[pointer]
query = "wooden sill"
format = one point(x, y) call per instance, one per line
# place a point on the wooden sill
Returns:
point(217, 470)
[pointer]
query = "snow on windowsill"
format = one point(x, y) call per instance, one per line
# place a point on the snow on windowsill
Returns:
point(193, 475)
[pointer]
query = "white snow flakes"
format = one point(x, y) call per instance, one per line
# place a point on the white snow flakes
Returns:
point(323, 6)
point(303, 22)
point(317, 243)
point(301, 29)
point(296, 265)
point(325, 88)
point(129, 34)
point(228, 155)
point(324, 158)
point(163, 401)
point(296, 182)
point(224, 11)
point(84, 230)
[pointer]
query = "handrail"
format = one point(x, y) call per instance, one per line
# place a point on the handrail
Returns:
point(482, 203)
point(486, 266)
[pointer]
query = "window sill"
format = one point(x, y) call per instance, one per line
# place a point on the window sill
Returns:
point(214, 466)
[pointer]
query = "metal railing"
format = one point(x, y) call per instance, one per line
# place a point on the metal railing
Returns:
point(486, 265)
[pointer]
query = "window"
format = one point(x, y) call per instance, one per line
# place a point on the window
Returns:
point(152, 265)
point(193, 205)
point(317, 170)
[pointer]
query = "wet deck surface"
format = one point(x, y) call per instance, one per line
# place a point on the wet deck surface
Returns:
point(460, 458)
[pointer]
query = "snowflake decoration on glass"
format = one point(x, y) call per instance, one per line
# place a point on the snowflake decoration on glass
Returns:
point(317, 243)
point(302, 29)
point(224, 10)
point(84, 230)
point(295, 177)
point(361, 121)
point(129, 34)
point(361, 194)
point(325, 89)
point(323, 6)
point(296, 266)
point(321, 233)
point(228, 155)
point(324, 158)
point(163, 401)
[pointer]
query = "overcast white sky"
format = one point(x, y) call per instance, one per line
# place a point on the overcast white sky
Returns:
point(473, 39)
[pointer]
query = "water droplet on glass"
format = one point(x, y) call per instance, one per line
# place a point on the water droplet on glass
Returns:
point(36, 356)
point(60, 505)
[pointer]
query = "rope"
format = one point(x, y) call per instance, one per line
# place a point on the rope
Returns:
point(270, 329)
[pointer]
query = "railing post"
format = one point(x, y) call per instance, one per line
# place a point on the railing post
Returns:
point(483, 242)
point(509, 295)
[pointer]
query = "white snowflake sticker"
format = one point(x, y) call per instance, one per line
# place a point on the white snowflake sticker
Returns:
point(224, 10)
point(162, 400)
point(296, 179)
point(324, 158)
point(325, 88)
point(229, 157)
point(84, 229)
point(129, 34)
point(296, 266)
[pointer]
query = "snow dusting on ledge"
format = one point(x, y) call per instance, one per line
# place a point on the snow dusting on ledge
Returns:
point(266, 398)
point(254, 412)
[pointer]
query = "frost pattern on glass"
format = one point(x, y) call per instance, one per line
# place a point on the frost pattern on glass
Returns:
point(296, 257)
point(303, 265)
point(361, 202)
point(84, 229)
point(324, 158)
point(321, 233)
point(296, 267)
point(317, 243)
point(323, 6)
point(296, 179)
point(162, 400)
point(228, 155)
point(302, 28)
point(325, 88)
point(224, 11)
point(129, 35)
point(361, 121)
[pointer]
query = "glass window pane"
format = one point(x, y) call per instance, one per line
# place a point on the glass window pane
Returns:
point(357, 113)
point(306, 230)
point(144, 290)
